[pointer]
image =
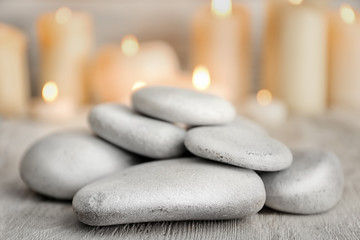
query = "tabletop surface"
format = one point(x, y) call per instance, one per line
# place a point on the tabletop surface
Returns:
point(27, 215)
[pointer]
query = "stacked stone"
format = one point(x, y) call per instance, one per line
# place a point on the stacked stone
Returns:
point(178, 155)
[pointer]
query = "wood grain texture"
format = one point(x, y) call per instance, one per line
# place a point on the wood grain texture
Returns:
point(26, 215)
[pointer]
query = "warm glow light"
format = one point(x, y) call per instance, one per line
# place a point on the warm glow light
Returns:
point(295, 2)
point(63, 15)
point(347, 14)
point(264, 97)
point(138, 85)
point(221, 8)
point(201, 78)
point(50, 91)
point(130, 45)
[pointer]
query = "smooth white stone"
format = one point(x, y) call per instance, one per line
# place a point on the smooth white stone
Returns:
point(314, 183)
point(60, 164)
point(171, 190)
point(183, 106)
point(145, 136)
point(239, 147)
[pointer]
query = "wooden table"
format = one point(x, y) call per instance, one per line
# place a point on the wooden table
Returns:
point(26, 215)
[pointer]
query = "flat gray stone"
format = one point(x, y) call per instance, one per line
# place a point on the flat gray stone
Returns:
point(145, 136)
point(239, 147)
point(171, 190)
point(313, 184)
point(183, 106)
point(60, 164)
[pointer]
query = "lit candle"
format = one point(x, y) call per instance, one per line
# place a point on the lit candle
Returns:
point(182, 80)
point(52, 107)
point(202, 81)
point(296, 55)
point(344, 68)
point(14, 86)
point(265, 110)
point(65, 42)
point(221, 42)
point(138, 85)
point(118, 68)
point(201, 78)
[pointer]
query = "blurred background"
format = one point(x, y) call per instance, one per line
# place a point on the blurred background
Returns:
point(270, 58)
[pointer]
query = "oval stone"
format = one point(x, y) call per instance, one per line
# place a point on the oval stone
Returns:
point(145, 136)
point(239, 147)
point(60, 164)
point(171, 190)
point(313, 184)
point(183, 106)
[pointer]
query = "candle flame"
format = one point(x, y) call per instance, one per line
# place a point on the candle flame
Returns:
point(221, 8)
point(138, 85)
point(50, 91)
point(347, 14)
point(296, 2)
point(130, 45)
point(201, 78)
point(63, 15)
point(264, 97)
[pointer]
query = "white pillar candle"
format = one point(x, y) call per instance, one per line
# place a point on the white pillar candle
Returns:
point(118, 67)
point(265, 110)
point(14, 85)
point(300, 55)
point(65, 42)
point(344, 67)
point(221, 42)
point(52, 107)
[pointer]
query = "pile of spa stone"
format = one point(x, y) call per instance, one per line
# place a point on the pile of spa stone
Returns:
point(216, 180)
